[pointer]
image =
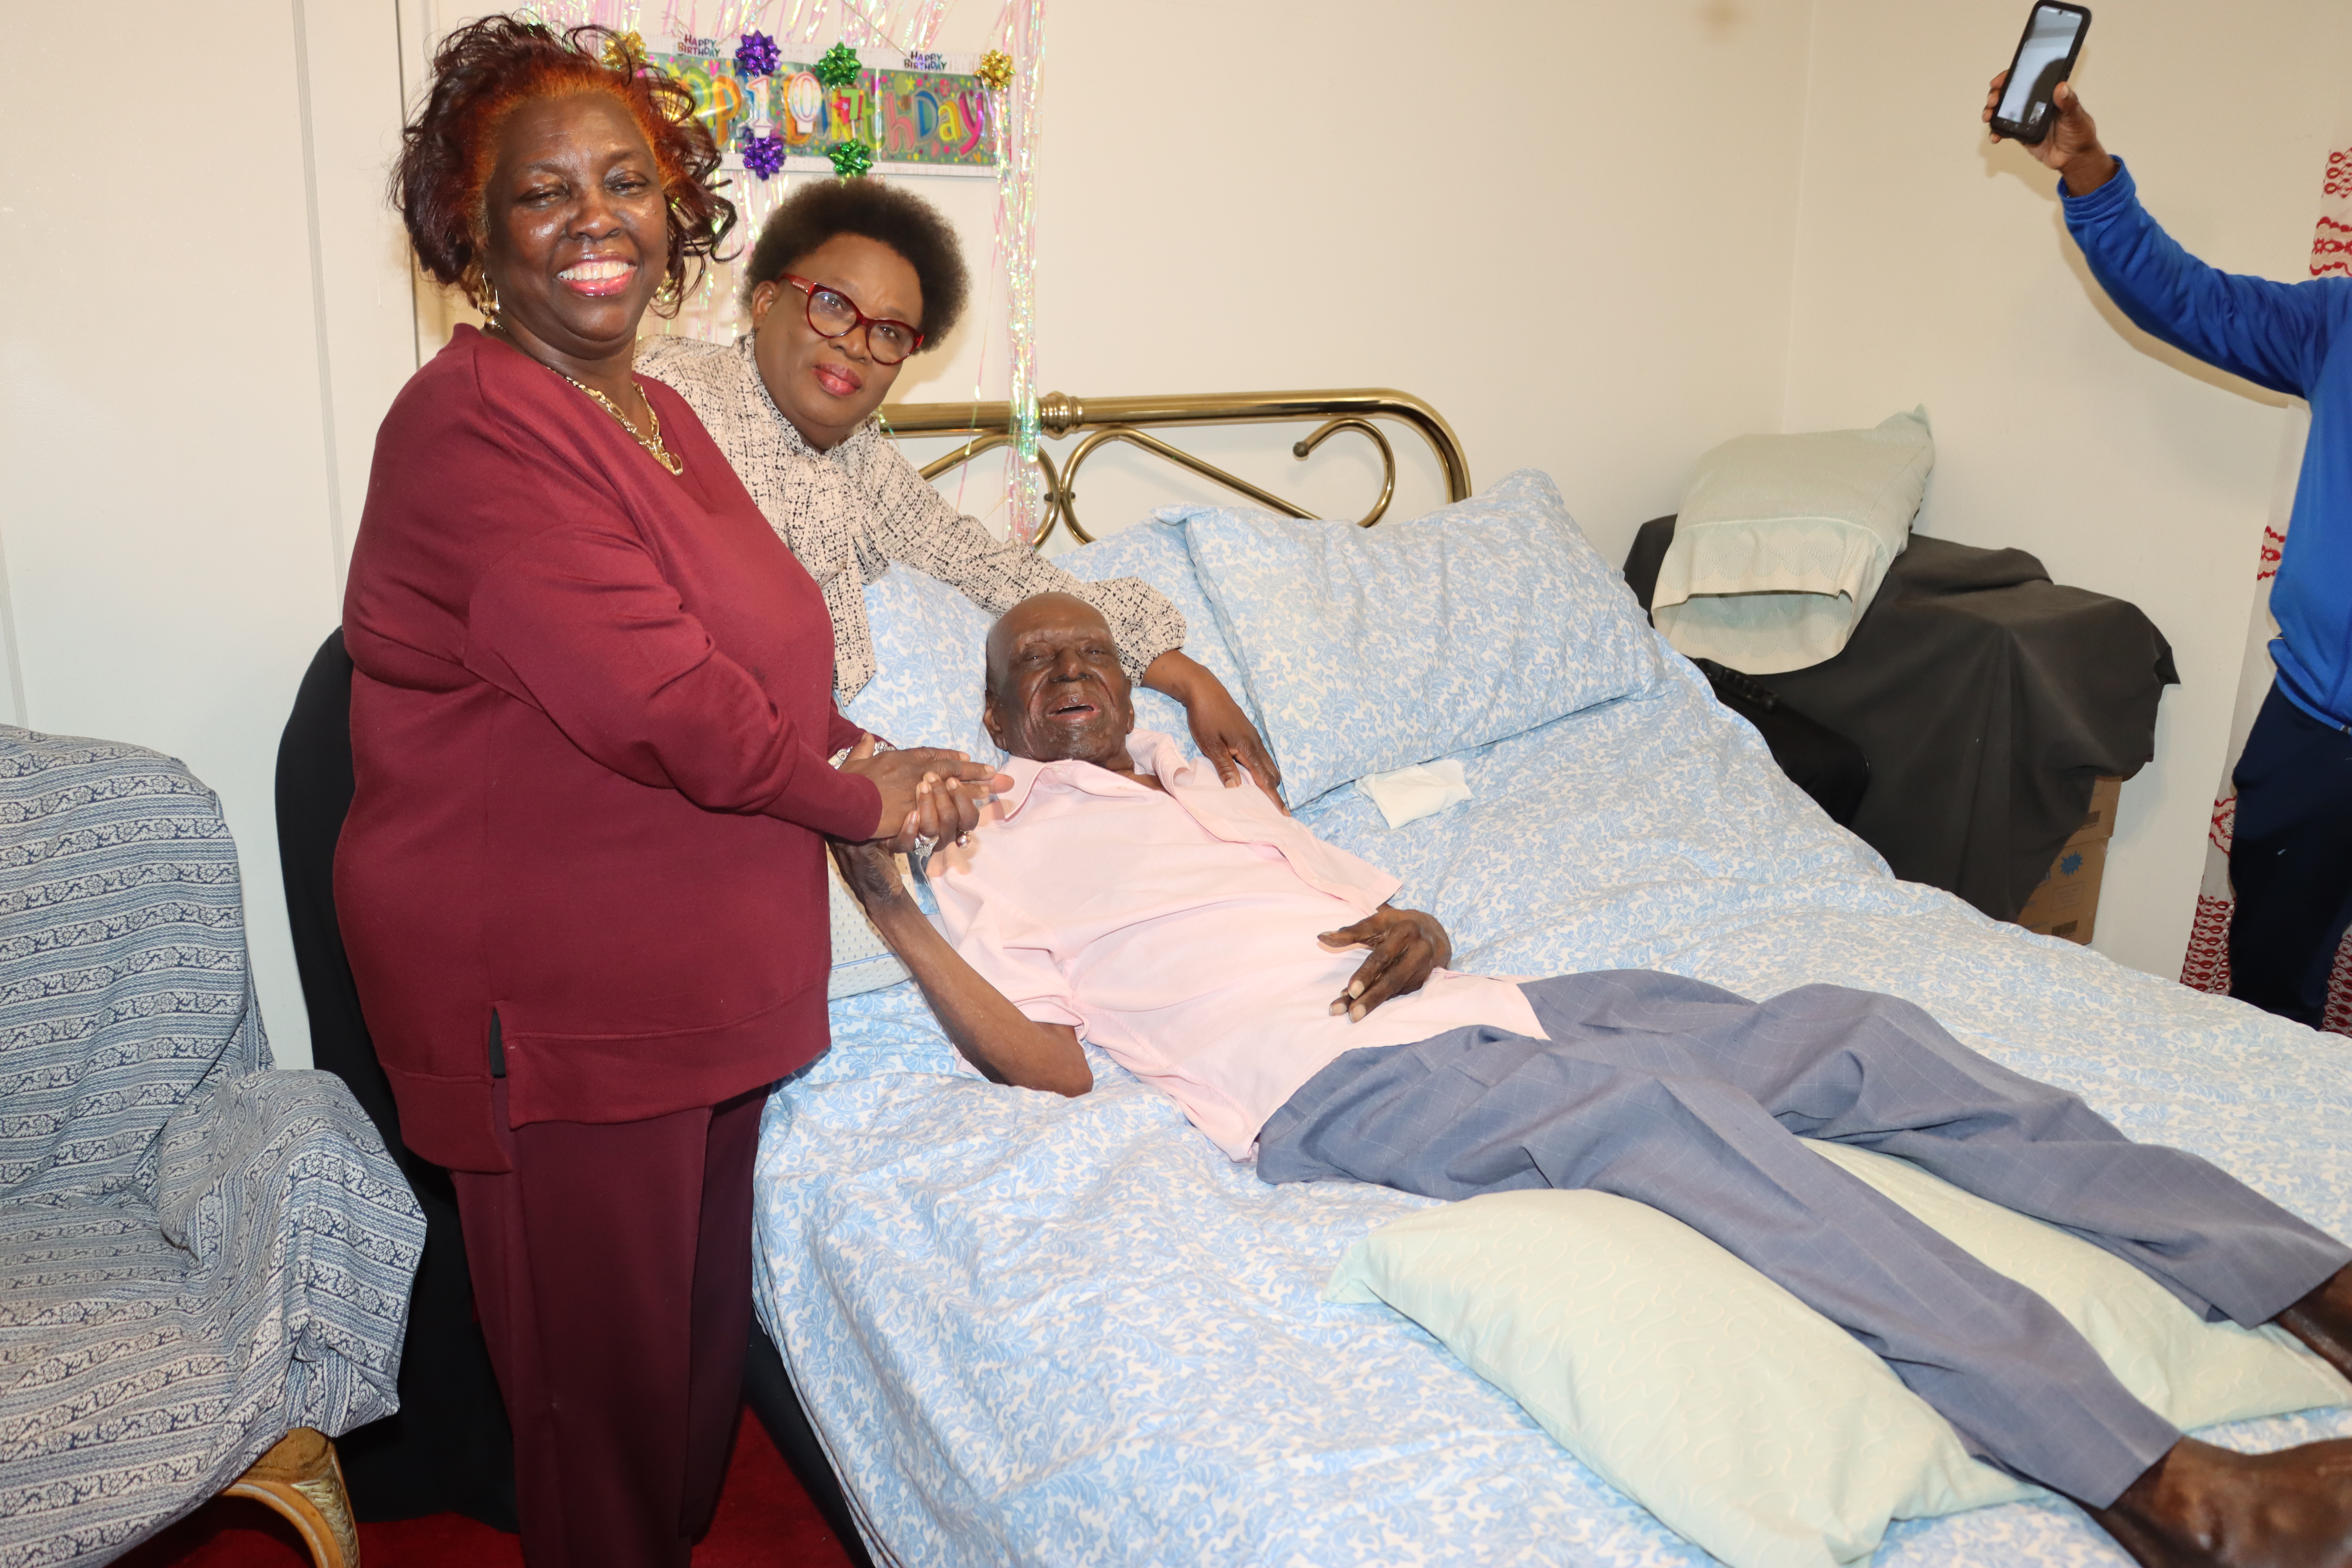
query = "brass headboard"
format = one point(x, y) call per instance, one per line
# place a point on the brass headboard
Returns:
point(1123, 420)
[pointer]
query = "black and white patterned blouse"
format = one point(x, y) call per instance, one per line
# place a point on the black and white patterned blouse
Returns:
point(849, 512)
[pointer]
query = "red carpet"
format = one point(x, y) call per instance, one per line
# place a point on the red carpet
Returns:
point(765, 1520)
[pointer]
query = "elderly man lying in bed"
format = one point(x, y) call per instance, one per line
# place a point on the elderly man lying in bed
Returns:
point(1114, 891)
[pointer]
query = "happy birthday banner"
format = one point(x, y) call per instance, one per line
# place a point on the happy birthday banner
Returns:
point(926, 114)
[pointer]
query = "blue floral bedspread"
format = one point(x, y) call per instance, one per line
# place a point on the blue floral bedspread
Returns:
point(1040, 1330)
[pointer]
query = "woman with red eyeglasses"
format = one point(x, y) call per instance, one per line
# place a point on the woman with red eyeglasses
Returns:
point(850, 278)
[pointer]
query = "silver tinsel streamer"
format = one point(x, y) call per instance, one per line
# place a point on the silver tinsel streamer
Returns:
point(683, 17)
point(1016, 130)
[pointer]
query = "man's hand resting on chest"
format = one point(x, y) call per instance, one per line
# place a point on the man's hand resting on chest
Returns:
point(1406, 946)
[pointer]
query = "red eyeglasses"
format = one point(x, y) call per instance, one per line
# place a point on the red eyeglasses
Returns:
point(833, 314)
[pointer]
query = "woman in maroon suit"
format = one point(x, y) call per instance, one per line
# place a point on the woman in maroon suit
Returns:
point(583, 880)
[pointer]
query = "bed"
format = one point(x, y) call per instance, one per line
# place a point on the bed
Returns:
point(1037, 1331)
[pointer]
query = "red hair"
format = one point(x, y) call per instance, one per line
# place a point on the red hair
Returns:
point(485, 70)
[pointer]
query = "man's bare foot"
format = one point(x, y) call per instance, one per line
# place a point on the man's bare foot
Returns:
point(2323, 1321)
point(2204, 1507)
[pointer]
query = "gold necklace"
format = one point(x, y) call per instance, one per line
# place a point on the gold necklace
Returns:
point(651, 443)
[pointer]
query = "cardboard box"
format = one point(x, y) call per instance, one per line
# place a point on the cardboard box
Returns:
point(2100, 823)
point(2066, 904)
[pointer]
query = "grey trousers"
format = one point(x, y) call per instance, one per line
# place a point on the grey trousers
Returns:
point(1691, 1099)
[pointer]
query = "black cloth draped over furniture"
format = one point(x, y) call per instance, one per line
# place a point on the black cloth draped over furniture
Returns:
point(450, 1449)
point(1988, 698)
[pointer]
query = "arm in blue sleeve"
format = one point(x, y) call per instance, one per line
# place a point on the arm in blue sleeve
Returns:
point(2273, 334)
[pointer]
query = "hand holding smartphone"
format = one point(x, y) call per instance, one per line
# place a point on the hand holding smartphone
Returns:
point(2035, 94)
point(2045, 56)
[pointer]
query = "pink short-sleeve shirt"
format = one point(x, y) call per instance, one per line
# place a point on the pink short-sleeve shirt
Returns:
point(1178, 933)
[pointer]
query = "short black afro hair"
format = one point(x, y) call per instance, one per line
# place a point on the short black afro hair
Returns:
point(897, 217)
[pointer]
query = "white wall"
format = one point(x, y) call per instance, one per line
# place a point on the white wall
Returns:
point(1569, 226)
point(1932, 266)
point(354, 93)
point(169, 500)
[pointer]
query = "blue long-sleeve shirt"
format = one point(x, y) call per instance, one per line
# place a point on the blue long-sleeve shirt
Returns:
point(2284, 336)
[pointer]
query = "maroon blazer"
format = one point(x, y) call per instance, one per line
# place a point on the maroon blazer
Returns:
point(589, 724)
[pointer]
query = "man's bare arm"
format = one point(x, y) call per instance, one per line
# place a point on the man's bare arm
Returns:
point(991, 1032)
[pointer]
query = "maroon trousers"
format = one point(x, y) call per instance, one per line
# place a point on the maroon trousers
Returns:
point(611, 1267)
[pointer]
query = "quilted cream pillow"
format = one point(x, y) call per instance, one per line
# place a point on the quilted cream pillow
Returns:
point(2193, 1373)
point(1782, 541)
point(1740, 1417)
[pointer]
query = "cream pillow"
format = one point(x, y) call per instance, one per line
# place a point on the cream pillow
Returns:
point(1740, 1417)
point(2193, 1373)
point(1783, 540)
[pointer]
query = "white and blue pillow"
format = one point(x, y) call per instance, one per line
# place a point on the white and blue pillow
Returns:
point(1371, 649)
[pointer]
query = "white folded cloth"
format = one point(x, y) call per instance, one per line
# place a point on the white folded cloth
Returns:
point(1408, 794)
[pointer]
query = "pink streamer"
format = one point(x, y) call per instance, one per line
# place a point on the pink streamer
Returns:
point(923, 23)
point(801, 24)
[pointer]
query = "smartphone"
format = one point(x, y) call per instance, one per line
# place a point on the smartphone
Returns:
point(2045, 56)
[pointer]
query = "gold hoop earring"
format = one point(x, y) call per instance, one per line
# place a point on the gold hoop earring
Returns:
point(672, 290)
point(486, 300)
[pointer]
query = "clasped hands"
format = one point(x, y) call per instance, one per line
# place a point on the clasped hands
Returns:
point(929, 792)
point(1406, 945)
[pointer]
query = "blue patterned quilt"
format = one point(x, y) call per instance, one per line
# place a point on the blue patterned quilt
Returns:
point(1039, 1331)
